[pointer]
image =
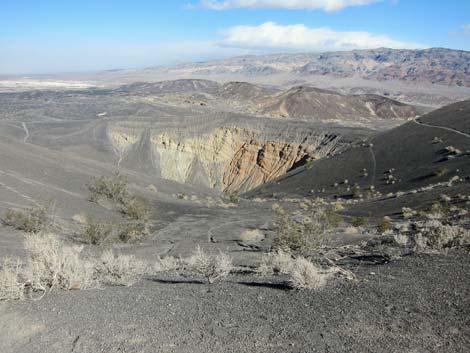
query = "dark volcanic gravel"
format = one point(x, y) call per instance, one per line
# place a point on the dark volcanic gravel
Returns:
point(418, 304)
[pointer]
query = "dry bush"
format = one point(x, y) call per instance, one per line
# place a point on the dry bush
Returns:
point(168, 264)
point(114, 188)
point(54, 265)
point(120, 270)
point(212, 267)
point(384, 225)
point(12, 284)
point(441, 171)
point(279, 262)
point(152, 188)
point(408, 212)
point(132, 232)
point(359, 221)
point(302, 231)
point(350, 230)
point(252, 235)
point(233, 197)
point(301, 272)
point(96, 232)
point(136, 209)
point(31, 220)
point(435, 235)
point(80, 218)
point(305, 275)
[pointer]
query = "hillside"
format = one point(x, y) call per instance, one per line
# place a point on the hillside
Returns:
point(313, 103)
point(418, 155)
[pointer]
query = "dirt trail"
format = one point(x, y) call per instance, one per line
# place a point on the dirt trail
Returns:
point(442, 127)
point(25, 128)
point(374, 165)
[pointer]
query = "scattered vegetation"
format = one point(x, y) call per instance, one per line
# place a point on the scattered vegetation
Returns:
point(52, 264)
point(233, 197)
point(132, 232)
point(278, 262)
point(11, 283)
point(114, 188)
point(298, 232)
point(31, 220)
point(96, 232)
point(305, 275)
point(182, 196)
point(307, 228)
point(408, 212)
point(359, 221)
point(301, 273)
point(441, 171)
point(384, 225)
point(136, 209)
point(123, 270)
point(251, 235)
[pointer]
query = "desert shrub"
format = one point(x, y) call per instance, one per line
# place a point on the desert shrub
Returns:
point(182, 196)
point(130, 232)
point(359, 221)
point(52, 264)
point(305, 275)
point(252, 235)
point(168, 264)
point(278, 262)
point(80, 218)
point(408, 212)
point(123, 270)
point(212, 267)
point(433, 234)
point(96, 232)
point(31, 220)
point(12, 284)
point(441, 171)
point(384, 225)
point(300, 232)
point(350, 230)
point(114, 188)
point(136, 209)
point(332, 218)
point(233, 197)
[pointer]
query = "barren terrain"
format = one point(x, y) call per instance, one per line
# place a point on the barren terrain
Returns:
point(327, 215)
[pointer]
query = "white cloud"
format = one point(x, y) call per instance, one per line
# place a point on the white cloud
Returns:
point(465, 28)
point(463, 31)
point(296, 37)
point(327, 5)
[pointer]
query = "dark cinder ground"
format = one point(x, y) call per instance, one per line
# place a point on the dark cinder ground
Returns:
point(418, 304)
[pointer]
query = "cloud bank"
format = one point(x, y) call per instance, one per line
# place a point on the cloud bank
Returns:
point(271, 36)
point(326, 5)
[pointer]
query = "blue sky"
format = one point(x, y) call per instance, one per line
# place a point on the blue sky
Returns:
point(48, 36)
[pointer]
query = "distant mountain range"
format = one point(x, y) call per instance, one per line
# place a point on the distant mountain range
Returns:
point(436, 65)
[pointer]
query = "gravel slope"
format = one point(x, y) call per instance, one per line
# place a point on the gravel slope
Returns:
point(418, 304)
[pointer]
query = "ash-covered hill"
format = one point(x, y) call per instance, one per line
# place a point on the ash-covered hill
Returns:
point(427, 156)
point(314, 103)
point(300, 102)
point(244, 91)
